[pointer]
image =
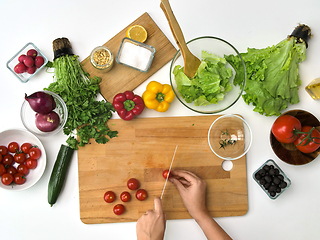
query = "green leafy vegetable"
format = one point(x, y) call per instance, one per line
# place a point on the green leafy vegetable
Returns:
point(87, 117)
point(209, 85)
point(272, 75)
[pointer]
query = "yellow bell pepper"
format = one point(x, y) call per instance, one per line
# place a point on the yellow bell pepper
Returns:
point(158, 96)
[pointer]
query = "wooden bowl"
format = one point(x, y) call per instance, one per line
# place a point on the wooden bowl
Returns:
point(288, 152)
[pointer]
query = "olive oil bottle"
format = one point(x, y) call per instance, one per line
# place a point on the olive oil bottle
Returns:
point(313, 88)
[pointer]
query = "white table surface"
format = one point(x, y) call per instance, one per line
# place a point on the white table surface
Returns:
point(87, 24)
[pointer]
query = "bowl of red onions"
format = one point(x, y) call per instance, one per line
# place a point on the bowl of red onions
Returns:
point(44, 113)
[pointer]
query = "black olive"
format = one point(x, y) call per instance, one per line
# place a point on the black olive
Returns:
point(281, 177)
point(262, 172)
point(257, 176)
point(272, 188)
point(266, 167)
point(283, 185)
point(276, 172)
point(276, 180)
point(271, 167)
point(268, 179)
point(262, 182)
point(267, 185)
point(272, 171)
point(278, 190)
point(273, 194)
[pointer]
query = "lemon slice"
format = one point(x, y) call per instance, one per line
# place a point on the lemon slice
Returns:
point(138, 33)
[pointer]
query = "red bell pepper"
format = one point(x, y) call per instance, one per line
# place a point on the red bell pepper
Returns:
point(128, 105)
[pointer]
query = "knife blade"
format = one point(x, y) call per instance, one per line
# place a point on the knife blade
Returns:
point(165, 184)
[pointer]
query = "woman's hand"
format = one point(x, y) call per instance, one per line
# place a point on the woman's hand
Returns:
point(152, 224)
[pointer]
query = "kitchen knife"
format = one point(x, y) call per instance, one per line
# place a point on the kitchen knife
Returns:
point(165, 184)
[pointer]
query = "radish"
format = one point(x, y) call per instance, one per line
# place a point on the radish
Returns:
point(28, 61)
point(20, 68)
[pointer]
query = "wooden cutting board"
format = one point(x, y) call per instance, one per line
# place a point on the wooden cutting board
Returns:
point(121, 78)
point(143, 149)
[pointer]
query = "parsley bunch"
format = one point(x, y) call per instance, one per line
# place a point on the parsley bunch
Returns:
point(87, 117)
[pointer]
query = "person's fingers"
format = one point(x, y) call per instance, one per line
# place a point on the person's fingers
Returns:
point(189, 176)
point(177, 184)
point(157, 204)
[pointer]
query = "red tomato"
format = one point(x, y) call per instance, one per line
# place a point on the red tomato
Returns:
point(34, 153)
point(283, 128)
point(7, 160)
point(19, 179)
point(3, 150)
point(26, 147)
point(1, 158)
point(308, 145)
point(31, 163)
point(125, 197)
point(23, 169)
point(6, 178)
point(118, 209)
point(13, 147)
point(19, 157)
point(109, 196)
point(141, 194)
point(12, 170)
point(133, 184)
point(165, 174)
point(2, 169)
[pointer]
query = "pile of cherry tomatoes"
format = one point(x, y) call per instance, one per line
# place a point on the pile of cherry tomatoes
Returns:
point(16, 161)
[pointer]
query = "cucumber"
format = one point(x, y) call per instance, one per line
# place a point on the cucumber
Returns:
point(59, 173)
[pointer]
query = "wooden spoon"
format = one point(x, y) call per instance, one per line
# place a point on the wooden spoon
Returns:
point(191, 62)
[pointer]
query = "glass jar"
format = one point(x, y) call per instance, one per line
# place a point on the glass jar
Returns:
point(313, 88)
point(102, 58)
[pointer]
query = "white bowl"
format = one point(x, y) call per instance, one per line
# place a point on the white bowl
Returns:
point(21, 136)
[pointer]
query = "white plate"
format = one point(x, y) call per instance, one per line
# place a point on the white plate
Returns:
point(21, 136)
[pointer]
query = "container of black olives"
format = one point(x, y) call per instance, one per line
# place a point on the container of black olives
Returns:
point(271, 179)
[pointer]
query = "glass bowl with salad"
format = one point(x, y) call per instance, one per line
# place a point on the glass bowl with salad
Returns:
point(216, 86)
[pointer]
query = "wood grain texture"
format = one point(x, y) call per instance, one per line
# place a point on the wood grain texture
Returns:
point(143, 149)
point(121, 78)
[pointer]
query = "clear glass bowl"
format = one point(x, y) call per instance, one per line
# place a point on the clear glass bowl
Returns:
point(220, 48)
point(28, 116)
point(102, 58)
point(287, 181)
point(135, 55)
point(230, 137)
point(25, 77)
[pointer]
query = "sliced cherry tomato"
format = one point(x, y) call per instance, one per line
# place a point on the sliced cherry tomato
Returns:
point(23, 169)
point(31, 163)
point(305, 145)
point(165, 174)
point(25, 147)
point(125, 196)
point(118, 209)
point(133, 184)
point(7, 160)
point(3, 170)
point(13, 147)
point(19, 179)
point(141, 194)
point(19, 157)
point(6, 178)
point(283, 128)
point(109, 196)
point(3, 150)
point(34, 153)
point(12, 170)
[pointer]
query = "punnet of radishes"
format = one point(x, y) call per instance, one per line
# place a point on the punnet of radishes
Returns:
point(29, 62)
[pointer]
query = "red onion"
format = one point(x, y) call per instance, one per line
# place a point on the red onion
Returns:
point(41, 102)
point(47, 122)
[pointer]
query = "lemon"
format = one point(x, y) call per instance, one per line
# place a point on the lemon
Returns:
point(138, 33)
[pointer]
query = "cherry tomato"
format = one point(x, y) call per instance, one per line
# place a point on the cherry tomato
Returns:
point(125, 197)
point(7, 160)
point(25, 147)
point(141, 194)
point(283, 128)
point(165, 174)
point(12, 170)
point(23, 169)
point(312, 145)
point(133, 184)
point(13, 147)
point(3, 150)
point(118, 209)
point(34, 153)
point(6, 178)
point(3, 170)
point(109, 196)
point(1, 158)
point(19, 157)
point(31, 163)
point(19, 179)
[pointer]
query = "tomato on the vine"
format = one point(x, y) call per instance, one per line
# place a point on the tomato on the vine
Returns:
point(25, 147)
point(165, 174)
point(19, 179)
point(125, 196)
point(12, 170)
point(31, 163)
point(19, 157)
point(3, 150)
point(283, 128)
point(308, 144)
point(6, 178)
point(133, 184)
point(118, 209)
point(34, 153)
point(23, 169)
point(109, 196)
point(141, 194)
point(13, 147)
point(7, 160)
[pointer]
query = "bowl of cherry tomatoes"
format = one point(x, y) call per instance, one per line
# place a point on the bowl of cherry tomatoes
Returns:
point(295, 137)
point(22, 159)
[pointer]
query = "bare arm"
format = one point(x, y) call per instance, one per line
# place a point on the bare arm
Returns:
point(193, 193)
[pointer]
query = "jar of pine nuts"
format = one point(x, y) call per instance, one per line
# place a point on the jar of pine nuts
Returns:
point(102, 58)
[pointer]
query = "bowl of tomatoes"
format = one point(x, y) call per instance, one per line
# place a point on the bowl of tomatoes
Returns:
point(22, 159)
point(295, 137)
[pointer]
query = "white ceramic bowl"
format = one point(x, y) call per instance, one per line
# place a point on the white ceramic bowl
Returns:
point(22, 136)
